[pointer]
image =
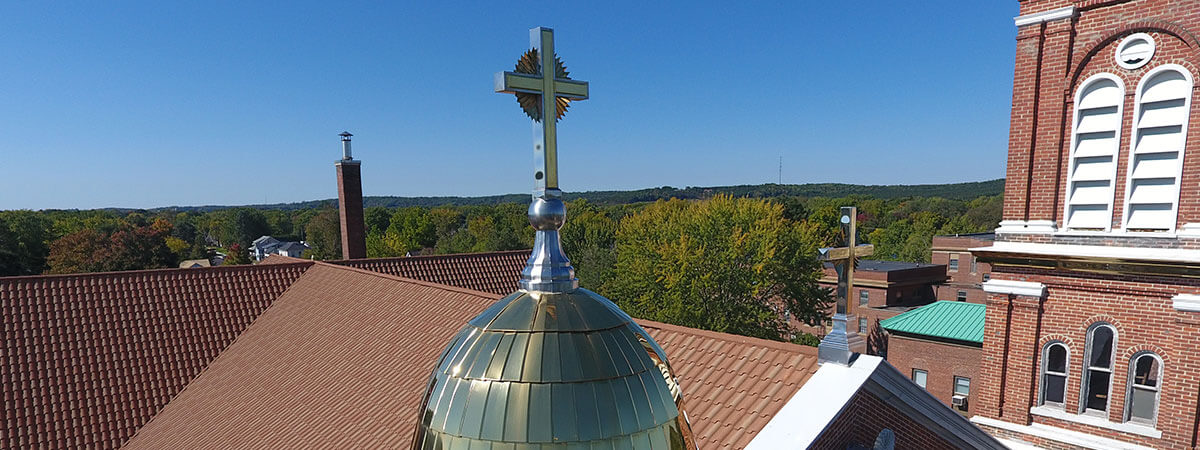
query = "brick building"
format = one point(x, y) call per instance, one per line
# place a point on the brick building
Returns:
point(938, 346)
point(964, 273)
point(883, 289)
point(1093, 309)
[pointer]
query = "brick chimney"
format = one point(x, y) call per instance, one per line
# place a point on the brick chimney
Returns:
point(350, 203)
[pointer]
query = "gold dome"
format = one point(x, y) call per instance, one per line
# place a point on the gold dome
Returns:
point(553, 370)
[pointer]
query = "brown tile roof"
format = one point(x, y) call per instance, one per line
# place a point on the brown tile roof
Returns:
point(345, 353)
point(89, 358)
point(733, 385)
point(495, 272)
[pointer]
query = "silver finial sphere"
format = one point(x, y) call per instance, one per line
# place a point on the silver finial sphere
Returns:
point(547, 214)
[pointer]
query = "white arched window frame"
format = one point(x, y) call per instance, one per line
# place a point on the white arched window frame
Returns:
point(1143, 388)
point(1159, 135)
point(1095, 144)
point(1098, 360)
point(1056, 370)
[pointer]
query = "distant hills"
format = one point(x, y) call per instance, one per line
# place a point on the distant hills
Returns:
point(956, 191)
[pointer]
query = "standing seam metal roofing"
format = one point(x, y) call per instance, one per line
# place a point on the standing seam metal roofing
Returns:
point(943, 319)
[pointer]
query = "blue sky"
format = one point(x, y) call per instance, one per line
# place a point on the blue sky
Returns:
point(148, 104)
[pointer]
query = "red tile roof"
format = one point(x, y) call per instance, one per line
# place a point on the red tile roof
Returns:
point(495, 272)
point(90, 358)
point(733, 385)
point(345, 354)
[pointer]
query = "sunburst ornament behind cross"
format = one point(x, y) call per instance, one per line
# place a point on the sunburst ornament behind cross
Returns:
point(542, 84)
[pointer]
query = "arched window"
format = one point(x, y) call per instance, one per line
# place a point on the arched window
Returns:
point(1097, 371)
point(1094, 143)
point(1145, 380)
point(1054, 374)
point(1160, 122)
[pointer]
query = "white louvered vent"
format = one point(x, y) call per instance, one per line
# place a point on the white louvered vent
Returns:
point(1156, 162)
point(1097, 135)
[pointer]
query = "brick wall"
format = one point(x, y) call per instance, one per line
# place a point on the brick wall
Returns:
point(942, 361)
point(350, 210)
point(862, 420)
point(1052, 60)
point(1139, 307)
point(963, 279)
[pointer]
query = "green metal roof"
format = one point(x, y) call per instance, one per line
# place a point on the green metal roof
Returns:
point(945, 319)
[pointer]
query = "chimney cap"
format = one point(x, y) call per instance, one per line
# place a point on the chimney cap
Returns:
point(345, 134)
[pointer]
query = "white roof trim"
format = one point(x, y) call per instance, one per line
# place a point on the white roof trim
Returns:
point(1186, 302)
point(1059, 434)
point(812, 408)
point(1189, 230)
point(823, 397)
point(1027, 227)
point(1045, 16)
point(1012, 287)
point(1095, 251)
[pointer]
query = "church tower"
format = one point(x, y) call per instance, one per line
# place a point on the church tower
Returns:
point(552, 365)
point(350, 202)
point(1093, 311)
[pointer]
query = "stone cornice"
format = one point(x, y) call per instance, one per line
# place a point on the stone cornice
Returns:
point(1065, 12)
point(1010, 287)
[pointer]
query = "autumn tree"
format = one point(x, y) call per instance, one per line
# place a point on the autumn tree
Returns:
point(236, 255)
point(128, 248)
point(725, 264)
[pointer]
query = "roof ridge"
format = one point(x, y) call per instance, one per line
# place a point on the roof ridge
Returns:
point(444, 287)
point(113, 273)
point(778, 345)
point(441, 256)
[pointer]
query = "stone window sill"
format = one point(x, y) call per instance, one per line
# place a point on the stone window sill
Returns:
point(1101, 422)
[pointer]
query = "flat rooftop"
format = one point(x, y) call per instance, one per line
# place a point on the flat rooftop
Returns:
point(872, 265)
point(989, 236)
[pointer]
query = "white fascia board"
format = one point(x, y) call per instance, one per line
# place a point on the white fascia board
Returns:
point(1011, 287)
point(828, 392)
point(1027, 227)
point(1176, 255)
point(812, 408)
point(1058, 434)
point(1186, 302)
point(1045, 16)
point(1189, 230)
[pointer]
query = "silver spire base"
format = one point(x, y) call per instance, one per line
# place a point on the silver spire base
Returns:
point(548, 269)
point(839, 346)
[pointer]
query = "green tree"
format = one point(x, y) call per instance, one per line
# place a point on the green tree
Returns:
point(726, 264)
point(25, 244)
point(377, 219)
point(410, 229)
point(589, 238)
point(324, 235)
point(239, 225)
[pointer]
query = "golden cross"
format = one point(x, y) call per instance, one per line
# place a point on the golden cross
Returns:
point(546, 84)
point(844, 259)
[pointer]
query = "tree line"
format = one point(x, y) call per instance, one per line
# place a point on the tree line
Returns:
point(732, 264)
